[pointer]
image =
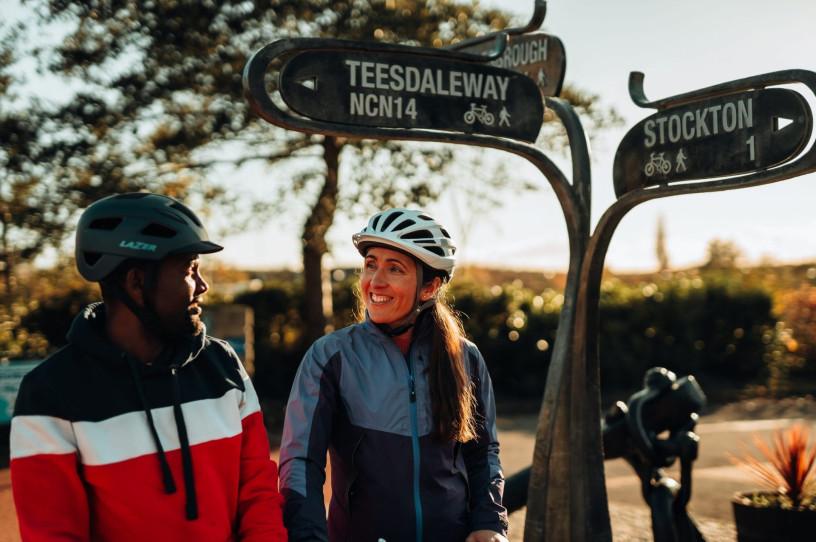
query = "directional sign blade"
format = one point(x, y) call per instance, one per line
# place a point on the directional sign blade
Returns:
point(403, 90)
point(538, 55)
point(715, 137)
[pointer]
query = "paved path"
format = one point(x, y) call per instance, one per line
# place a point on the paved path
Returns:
point(715, 478)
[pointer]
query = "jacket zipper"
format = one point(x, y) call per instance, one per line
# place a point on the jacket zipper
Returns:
point(349, 492)
point(415, 443)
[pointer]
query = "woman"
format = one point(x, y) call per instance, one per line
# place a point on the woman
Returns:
point(403, 404)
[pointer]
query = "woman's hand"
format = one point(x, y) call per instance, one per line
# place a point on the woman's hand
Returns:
point(485, 536)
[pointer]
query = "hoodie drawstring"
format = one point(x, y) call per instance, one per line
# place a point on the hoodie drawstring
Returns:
point(191, 507)
point(186, 455)
point(167, 476)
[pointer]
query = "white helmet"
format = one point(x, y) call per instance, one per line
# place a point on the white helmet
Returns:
point(413, 232)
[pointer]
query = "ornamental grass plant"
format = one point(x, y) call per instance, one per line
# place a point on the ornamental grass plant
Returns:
point(785, 466)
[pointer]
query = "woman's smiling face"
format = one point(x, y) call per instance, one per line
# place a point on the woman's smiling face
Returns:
point(389, 285)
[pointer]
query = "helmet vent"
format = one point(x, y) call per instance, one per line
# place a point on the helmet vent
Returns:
point(404, 224)
point(190, 214)
point(158, 230)
point(436, 250)
point(390, 219)
point(445, 232)
point(171, 215)
point(418, 234)
point(108, 223)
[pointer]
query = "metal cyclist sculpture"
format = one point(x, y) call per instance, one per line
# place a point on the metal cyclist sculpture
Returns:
point(725, 133)
point(651, 431)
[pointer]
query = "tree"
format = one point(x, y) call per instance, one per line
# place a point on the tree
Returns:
point(159, 106)
point(24, 207)
point(660, 247)
point(722, 255)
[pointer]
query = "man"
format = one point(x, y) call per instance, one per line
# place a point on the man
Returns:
point(142, 428)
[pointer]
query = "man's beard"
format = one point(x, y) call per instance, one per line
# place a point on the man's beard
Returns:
point(178, 325)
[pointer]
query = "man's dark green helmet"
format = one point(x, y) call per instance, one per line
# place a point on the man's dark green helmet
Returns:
point(137, 225)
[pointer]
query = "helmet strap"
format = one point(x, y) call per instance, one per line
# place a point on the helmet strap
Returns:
point(146, 313)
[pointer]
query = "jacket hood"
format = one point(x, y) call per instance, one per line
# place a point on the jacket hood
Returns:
point(87, 332)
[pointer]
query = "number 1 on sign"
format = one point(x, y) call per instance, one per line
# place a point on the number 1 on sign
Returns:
point(751, 150)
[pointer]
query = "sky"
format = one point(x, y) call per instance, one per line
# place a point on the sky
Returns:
point(680, 47)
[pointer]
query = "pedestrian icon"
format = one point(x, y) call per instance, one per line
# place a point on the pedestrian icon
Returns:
point(542, 78)
point(504, 117)
point(680, 162)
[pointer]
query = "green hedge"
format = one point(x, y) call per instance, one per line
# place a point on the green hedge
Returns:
point(719, 331)
point(710, 328)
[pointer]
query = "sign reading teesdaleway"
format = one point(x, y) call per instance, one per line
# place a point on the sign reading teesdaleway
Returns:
point(411, 91)
point(719, 136)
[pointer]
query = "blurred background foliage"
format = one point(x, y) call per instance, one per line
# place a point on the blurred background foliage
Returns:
point(740, 331)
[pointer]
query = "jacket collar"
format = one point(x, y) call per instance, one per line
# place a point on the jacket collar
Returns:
point(88, 333)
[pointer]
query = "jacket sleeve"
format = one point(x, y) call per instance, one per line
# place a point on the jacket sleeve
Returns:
point(306, 432)
point(260, 504)
point(48, 492)
point(481, 455)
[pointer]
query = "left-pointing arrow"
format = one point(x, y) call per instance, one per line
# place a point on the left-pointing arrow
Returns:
point(308, 82)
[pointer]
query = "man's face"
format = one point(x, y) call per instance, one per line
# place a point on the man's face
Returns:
point(178, 291)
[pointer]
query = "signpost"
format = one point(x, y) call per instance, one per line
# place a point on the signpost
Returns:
point(366, 87)
point(724, 135)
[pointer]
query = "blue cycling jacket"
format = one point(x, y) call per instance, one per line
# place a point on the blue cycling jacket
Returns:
point(358, 397)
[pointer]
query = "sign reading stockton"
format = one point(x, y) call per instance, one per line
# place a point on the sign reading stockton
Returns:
point(719, 136)
point(538, 55)
point(403, 90)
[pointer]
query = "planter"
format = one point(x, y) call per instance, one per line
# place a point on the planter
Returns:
point(763, 524)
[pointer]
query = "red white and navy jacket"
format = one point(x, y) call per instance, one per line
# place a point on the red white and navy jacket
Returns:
point(104, 447)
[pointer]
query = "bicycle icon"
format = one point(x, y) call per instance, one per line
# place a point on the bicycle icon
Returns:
point(479, 113)
point(657, 164)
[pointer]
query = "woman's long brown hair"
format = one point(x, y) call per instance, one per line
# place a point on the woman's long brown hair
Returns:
point(453, 398)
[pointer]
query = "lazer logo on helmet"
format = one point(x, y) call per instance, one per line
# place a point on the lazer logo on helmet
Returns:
point(137, 245)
